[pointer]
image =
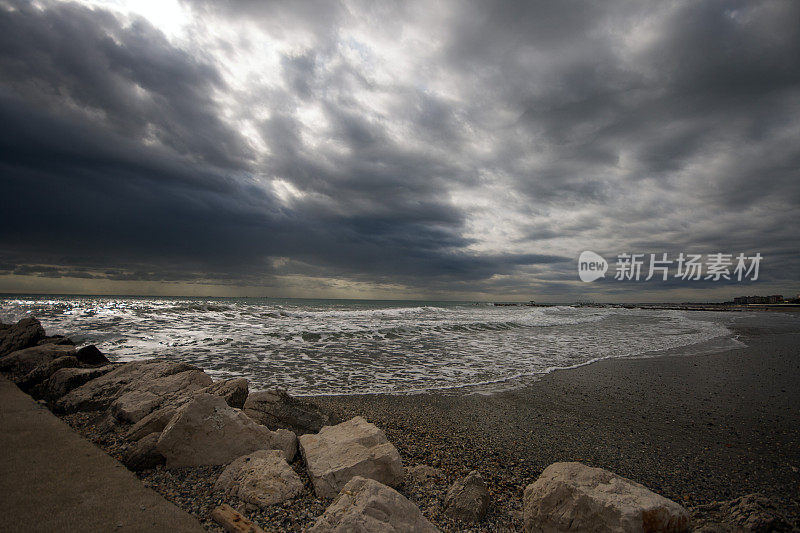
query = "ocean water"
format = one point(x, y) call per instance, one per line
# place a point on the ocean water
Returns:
point(352, 347)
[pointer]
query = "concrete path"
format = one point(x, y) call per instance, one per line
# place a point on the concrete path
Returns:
point(52, 479)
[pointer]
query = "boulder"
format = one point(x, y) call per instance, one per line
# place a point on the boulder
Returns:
point(576, 497)
point(45, 370)
point(135, 405)
point(56, 339)
point(153, 422)
point(367, 506)
point(262, 478)
point(19, 363)
point(67, 379)
point(233, 390)
point(144, 455)
point(276, 409)
point(27, 332)
point(354, 448)
point(90, 355)
point(207, 431)
point(468, 498)
point(168, 380)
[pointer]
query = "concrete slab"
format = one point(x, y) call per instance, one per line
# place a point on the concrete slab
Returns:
point(52, 479)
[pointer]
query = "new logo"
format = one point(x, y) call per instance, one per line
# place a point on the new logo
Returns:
point(591, 266)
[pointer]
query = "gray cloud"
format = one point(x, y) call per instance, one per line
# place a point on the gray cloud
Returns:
point(482, 158)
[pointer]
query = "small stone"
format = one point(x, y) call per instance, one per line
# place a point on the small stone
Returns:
point(468, 498)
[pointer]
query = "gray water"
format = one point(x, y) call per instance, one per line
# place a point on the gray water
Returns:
point(351, 347)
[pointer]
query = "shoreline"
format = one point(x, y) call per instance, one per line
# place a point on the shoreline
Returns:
point(694, 427)
point(697, 428)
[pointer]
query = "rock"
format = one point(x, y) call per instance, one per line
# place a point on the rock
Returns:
point(153, 422)
point(18, 364)
point(25, 333)
point(751, 513)
point(135, 405)
point(423, 474)
point(467, 499)
point(45, 370)
point(367, 506)
point(175, 390)
point(144, 455)
point(575, 497)
point(56, 339)
point(169, 380)
point(354, 448)
point(207, 431)
point(276, 409)
point(233, 390)
point(67, 379)
point(90, 355)
point(262, 478)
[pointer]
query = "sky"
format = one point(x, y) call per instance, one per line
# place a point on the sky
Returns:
point(367, 149)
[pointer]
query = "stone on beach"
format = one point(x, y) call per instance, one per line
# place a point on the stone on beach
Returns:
point(207, 431)
point(575, 497)
point(90, 355)
point(55, 339)
point(27, 332)
point(468, 498)
point(156, 421)
point(67, 379)
point(144, 455)
point(168, 380)
point(367, 506)
point(354, 448)
point(45, 370)
point(276, 410)
point(233, 390)
point(262, 478)
point(19, 363)
point(752, 513)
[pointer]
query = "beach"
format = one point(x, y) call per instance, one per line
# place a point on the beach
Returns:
point(694, 428)
point(697, 424)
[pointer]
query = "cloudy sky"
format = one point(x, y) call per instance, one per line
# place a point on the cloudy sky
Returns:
point(460, 150)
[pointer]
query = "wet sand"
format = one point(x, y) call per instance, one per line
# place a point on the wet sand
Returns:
point(695, 428)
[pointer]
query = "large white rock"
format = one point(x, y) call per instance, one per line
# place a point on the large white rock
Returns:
point(354, 448)
point(207, 431)
point(138, 387)
point(366, 506)
point(262, 478)
point(576, 497)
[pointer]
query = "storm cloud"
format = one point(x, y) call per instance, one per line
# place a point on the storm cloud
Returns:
point(462, 149)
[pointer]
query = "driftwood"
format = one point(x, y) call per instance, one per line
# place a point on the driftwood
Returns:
point(233, 521)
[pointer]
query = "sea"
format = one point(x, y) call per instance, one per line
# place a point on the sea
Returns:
point(313, 347)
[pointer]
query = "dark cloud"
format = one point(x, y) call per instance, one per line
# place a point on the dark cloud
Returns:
point(471, 148)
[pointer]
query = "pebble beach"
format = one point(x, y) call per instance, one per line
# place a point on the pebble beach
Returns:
point(696, 428)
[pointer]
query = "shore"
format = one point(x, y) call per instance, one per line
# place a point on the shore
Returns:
point(694, 428)
point(693, 425)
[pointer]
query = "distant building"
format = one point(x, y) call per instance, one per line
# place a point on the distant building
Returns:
point(745, 300)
